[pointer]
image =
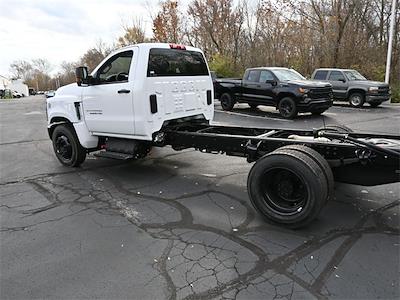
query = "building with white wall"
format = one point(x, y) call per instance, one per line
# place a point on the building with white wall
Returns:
point(14, 85)
point(20, 87)
point(4, 83)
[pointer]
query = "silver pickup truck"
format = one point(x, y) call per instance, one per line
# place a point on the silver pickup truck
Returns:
point(350, 85)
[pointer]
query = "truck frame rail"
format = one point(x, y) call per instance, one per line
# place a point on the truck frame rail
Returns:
point(355, 157)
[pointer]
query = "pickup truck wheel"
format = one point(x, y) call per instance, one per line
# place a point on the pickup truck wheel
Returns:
point(287, 108)
point(227, 101)
point(288, 188)
point(356, 100)
point(66, 146)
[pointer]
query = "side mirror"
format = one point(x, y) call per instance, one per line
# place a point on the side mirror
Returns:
point(272, 82)
point(81, 74)
point(342, 80)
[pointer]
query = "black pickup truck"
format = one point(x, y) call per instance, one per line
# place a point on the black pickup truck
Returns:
point(283, 88)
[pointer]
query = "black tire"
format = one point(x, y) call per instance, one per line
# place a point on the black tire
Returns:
point(356, 100)
point(375, 104)
point(288, 188)
point(252, 105)
point(320, 160)
point(287, 108)
point(227, 102)
point(338, 128)
point(66, 146)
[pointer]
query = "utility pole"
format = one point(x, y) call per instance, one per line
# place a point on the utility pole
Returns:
point(391, 33)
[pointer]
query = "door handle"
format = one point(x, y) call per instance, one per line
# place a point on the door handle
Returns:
point(124, 91)
point(258, 85)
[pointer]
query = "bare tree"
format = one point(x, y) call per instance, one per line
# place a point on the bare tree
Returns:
point(133, 34)
point(95, 55)
point(21, 69)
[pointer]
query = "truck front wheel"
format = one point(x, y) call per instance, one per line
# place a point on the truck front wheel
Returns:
point(66, 146)
point(287, 108)
point(227, 102)
point(356, 100)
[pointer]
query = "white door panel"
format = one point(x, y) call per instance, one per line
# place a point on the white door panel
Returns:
point(108, 107)
point(108, 111)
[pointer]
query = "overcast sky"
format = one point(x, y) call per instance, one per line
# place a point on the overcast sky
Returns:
point(63, 30)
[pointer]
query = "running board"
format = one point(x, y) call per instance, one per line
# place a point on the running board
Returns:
point(114, 155)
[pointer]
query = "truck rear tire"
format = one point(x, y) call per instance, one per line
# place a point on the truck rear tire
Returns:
point(66, 146)
point(288, 188)
point(356, 100)
point(227, 102)
point(287, 108)
point(320, 160)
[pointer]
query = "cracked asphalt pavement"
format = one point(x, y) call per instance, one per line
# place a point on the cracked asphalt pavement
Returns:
point(179, 225)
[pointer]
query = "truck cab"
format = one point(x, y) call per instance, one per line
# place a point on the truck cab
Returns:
point(132, 94)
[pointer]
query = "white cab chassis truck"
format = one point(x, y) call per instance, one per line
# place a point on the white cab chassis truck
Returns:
point(155, 95)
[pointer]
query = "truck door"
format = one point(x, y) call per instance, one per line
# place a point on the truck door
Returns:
point(108, 102)
point(264, 88)
point(339, 84)
point(250, 84)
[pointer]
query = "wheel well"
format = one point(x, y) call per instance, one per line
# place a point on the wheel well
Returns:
point(283, 95)
point(352, 91)
point(226, 91)
point(55, 121)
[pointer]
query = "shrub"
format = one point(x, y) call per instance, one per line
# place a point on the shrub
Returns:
point(395, 94)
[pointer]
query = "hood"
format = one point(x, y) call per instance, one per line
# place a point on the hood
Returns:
point(368, 83)
point(309, 83)
point(66, 89)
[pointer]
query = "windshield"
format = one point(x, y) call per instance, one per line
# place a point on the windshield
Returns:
point(287, 74)
point(354, 75)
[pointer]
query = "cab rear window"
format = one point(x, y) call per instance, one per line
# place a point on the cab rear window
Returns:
point(176, 62)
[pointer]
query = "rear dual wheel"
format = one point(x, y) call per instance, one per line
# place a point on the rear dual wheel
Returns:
point(291, 185)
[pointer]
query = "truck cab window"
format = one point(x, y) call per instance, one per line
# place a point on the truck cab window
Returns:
point(266, 75)
point(336, 76)
point(321, 75)
point(254, 76)
point(164, 62)
point(116, 69)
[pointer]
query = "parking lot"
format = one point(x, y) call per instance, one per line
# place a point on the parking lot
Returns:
point(179, 225)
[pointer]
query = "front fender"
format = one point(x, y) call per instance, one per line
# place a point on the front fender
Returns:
point(86, 139)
